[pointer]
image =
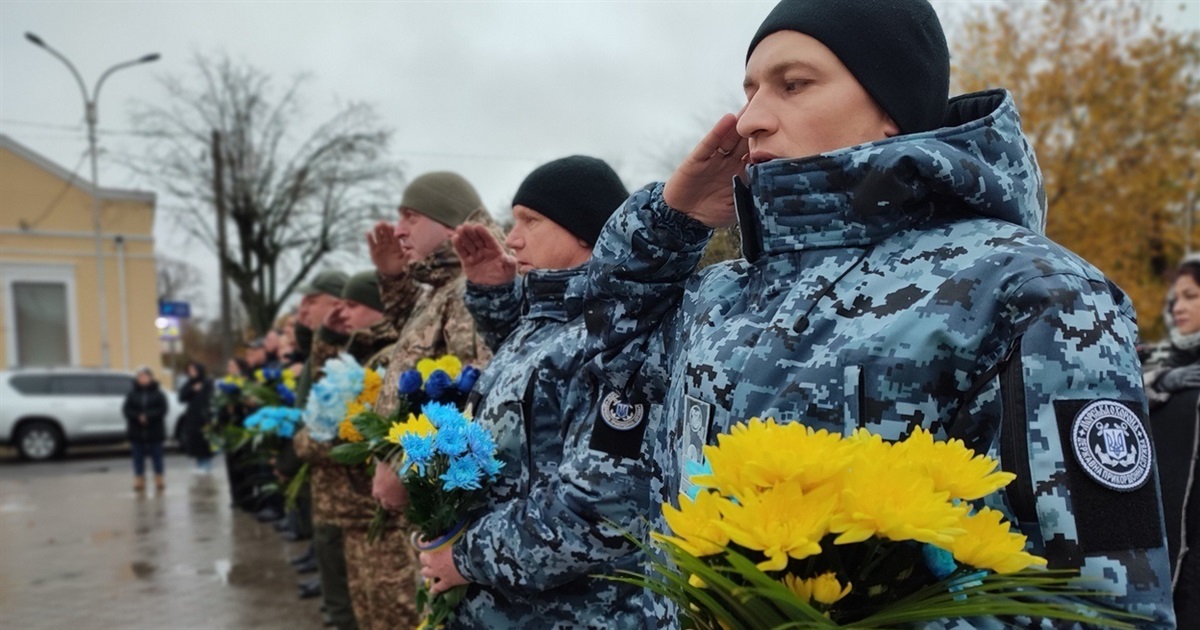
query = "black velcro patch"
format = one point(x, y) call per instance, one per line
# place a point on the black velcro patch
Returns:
point(1112, 511)
point(619, 427)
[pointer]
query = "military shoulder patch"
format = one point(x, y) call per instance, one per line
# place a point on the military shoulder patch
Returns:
point(619, 428)
point(619, 414)
point(1112, 445)
point(1110, 475)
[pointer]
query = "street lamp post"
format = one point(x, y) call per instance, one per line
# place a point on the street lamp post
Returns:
point(90, 115)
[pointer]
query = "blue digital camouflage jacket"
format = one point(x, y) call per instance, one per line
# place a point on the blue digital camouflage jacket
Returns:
point(546, 530)
point(896, 284)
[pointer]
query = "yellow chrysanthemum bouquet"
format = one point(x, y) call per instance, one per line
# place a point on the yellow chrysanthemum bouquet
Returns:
point(791, 527)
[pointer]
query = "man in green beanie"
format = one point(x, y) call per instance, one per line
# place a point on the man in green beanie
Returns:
point(422, 286)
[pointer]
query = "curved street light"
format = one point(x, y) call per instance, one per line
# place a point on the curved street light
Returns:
point(91, 116)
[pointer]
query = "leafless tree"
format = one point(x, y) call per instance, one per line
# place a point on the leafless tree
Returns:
point(292, 197)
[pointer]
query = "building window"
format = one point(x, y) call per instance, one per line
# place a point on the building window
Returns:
point(39, 314)
point(41, 318)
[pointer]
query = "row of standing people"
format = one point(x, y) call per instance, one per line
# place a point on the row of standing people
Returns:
point(894, 275)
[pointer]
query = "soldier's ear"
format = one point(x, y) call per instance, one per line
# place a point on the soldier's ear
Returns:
point(890, 128)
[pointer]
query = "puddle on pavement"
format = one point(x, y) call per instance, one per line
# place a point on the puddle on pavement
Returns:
point(232, 574)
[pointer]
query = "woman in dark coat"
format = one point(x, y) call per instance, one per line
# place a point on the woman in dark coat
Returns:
point(1172, 377)
point(145, 420)
point(196, 393)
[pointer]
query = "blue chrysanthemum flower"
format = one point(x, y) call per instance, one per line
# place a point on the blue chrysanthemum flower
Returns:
point(939, 561)
point(418, 449)
point(479, 442)
point(287, 430)
point(438, 384)
point(252, 421)
point(227, 388)
point(410, 383)
point(464, 473)
point(451, 440)
point(271, 374)
point(467, 378)
point(490, 467)
point(443, 415)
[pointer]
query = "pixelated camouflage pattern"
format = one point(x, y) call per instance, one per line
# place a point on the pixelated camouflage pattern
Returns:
point(495, 309)
point(886, 286)
point(382, 576)
point(544, 532)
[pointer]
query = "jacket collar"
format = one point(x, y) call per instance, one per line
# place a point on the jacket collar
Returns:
point(980, 164)
point(439, 268)
point(554, 293)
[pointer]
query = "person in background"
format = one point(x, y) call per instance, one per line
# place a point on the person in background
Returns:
point(271, 344)
point(531, 555)
point(145, 413)
point(196, 393)
point(257, 356)
point(341, 495)
point(1171, 370)
point(234, 412)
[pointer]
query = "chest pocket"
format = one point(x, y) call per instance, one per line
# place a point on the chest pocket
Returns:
point(822, 399)
point(508, 418)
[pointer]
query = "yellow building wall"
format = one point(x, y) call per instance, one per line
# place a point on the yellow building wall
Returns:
point(44, 220)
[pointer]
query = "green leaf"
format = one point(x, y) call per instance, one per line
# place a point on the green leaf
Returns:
point(294, 486)
point(737, 595)
point(372, 426)
point(351, 453)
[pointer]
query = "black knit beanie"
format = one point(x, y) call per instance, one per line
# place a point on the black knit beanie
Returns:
point(579, 193)
point(895, 48)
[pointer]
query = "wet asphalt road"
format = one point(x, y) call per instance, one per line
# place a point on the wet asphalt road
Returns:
point(79, 549)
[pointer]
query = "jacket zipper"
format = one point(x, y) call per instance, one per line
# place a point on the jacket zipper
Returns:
point(1014, 437)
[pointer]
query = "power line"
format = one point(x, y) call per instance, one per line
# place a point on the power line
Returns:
point(401, 153)
point(29, 225)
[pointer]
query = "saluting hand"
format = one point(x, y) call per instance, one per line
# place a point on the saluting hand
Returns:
point(483, 258)
point(702, 185)
point(387, 255)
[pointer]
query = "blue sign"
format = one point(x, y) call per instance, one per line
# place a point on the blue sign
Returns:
point(174, 309)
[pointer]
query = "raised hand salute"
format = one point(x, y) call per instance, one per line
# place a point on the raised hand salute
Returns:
point(483, 258)
point(389, 257)
point(700, 186)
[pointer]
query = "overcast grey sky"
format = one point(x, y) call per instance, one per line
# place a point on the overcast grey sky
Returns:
point(489, 89)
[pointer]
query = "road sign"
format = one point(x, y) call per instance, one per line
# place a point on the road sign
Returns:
point(174, 309)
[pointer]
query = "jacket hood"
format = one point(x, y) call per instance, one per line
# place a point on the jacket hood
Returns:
point(980, 164)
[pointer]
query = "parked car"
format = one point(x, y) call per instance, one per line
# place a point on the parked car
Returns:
point(43, 410)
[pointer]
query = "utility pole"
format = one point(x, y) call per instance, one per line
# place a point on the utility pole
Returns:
point(218, 158)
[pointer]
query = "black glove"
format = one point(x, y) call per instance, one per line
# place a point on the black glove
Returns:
point(1180, 378)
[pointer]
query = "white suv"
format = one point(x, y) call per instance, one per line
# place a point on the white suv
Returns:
point(42, 410)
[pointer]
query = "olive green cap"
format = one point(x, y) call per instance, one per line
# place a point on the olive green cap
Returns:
point(327, 282)
point(363, 287)
point(445, 197)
